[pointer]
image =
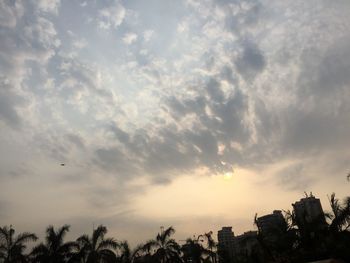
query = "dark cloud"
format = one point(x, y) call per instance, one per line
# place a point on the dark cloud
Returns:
point(228, 75)
point(112, 159)
point(178, 108)
point(320, 120)
point(214, 91)
point(330, 71)
point(217, 120)
point(169, 155)
point(251, 62)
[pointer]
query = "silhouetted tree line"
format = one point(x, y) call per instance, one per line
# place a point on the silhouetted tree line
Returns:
point(98, 248)
point(293, 241)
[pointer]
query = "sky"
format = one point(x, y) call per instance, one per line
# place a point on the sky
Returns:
point(195, 114)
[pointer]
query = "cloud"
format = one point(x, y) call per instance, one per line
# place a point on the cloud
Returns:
point(76, 140)
point(114, 160)
point(129, 38)
point(294, 177)
point(9, 102)
point(211, 109)
point(80, 85)
point(80, 43)
point(148, 34)
point(112, 15)
point(33, 42)
point(197, 126)
point(250, 62)
point(10, 13)
point(50, 6)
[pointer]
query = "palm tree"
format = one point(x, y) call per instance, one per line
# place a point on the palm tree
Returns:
point(144, 252)
point(165, 248)
point(211, 245)
point(126, 256)
point(97, 248)
point(338, 228)
point(55, 250)
point(193, 251)
point(11, 247)
point(340, 214)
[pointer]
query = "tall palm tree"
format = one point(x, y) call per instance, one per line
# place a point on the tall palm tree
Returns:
point(338, 228)
point(211, 245)
point(97, 248)
point(144, 252)
point(340, 217)
point(126, 255)
point(55, 250)
point(11, 247)
point(193, 251)
point(165, 248)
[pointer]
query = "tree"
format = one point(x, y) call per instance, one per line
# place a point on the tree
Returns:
point(165, 248)
point(193, 251)
point(211, 245)
point(144, 252)
point(338, 229)
point(126, 256)
point(11, 247)
point(340, 217)
point(55, 250)
point(97, 248)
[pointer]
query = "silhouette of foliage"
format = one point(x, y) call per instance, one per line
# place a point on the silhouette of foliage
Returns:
point(293, 239)
point(165, 249)
point(12, 248)
point(96, 248)
point(54, 250)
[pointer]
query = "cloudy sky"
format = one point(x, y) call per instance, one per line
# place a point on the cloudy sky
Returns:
point(196, 114)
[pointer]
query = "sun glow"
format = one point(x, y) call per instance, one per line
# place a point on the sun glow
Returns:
point(228, 175)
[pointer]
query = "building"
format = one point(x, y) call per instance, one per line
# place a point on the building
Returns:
point(226, 243)
point(246, 243)
point(308, 210)
point(271, 223)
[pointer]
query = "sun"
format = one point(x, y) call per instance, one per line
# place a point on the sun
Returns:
point(228, 175)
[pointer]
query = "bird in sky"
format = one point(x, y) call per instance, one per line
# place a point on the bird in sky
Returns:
point(62, 164)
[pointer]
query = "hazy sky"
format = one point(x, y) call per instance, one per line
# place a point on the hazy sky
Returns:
point(191, 113)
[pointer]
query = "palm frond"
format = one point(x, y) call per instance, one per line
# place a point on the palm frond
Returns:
point(4, 232)
point(25, 237)
point(334, 203)
point(61, 233)
point(67, 247)
point(108, 243)
point(39, 250)
point(149, 245)
point(137, 251)
point(84, 240)
point(168, 232)
point(108, 256)
point(125, 248)
point(98, 235)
